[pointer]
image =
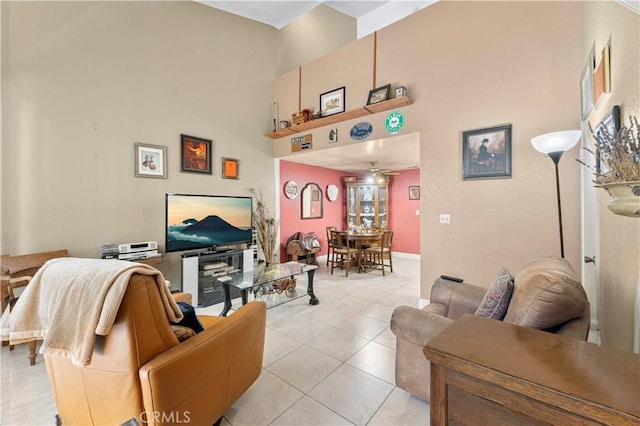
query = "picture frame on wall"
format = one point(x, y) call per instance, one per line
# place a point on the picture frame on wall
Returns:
point(611, 122)
point(586, 85)
point(379, 94)
point(601, 76)
point(332, 102)
point(150, 160)
point(486, 153)
point(230, 168)
point(196, 154)
point(414, 192)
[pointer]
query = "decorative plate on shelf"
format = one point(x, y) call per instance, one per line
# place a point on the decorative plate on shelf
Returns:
point(332, 192)
point(291, 189)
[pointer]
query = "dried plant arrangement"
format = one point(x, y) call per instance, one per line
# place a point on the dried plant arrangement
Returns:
point(619, 152)
point(266, 226)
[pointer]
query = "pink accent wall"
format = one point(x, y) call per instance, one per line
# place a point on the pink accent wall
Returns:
point(403, 219)
point(290, 209)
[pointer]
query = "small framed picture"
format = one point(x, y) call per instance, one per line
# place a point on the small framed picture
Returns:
point(486, 153)
point(196, 154)
point(414, 192)
point(601, 76)
point(333, 135)
point(379, 94)
point(151, 161)
point(401, 91)
point(606, 129)
point(332, 102)
point(230, 168)
point(586, 86)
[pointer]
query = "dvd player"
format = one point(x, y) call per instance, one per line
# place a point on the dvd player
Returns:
point(137, 247)
point(139, 255)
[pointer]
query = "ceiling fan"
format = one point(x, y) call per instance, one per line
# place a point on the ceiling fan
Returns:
point(375, 171)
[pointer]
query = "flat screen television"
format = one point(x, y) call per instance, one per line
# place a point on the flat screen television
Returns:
point(199, 222)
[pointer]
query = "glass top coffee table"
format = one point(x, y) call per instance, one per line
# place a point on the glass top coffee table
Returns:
point(269, 280)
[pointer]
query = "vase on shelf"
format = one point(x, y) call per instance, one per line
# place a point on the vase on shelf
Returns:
point(625, 197)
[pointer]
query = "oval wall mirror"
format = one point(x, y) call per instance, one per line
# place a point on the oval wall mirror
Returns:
point(311, 201)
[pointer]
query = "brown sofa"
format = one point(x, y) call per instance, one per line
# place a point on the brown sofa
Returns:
point(546, 295)
point(140, 370)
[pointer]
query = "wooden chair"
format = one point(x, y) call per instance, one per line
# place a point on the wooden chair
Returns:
point(330, 242)
point(17, 271)
point(344, 252)
point(378, 253)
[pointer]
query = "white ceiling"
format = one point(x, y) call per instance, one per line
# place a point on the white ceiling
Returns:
point(278, 14)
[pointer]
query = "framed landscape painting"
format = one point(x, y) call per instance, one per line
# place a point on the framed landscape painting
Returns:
point(332, 102)
point(486, 153)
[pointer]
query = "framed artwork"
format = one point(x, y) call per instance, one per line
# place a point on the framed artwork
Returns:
point(601, 76)
point(379, 94)
point(332, 102)
point(230, 168)
point(414, 192)
point(611, 122)
point(150, 160)
point(486, 153)
point(586, 86)
point(196, 154)
point(333, 135)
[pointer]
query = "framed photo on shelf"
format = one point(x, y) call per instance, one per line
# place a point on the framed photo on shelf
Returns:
point(379, 94)
point(151, 160)
point(586, 86)
point(230, 168)
point(332, 102)
point(414, 192)
point(486, 153)
point(196, 154)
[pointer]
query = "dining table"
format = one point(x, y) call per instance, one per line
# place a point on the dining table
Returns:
point(363, 239)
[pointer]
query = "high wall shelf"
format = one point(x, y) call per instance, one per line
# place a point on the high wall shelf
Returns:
point(343, 116)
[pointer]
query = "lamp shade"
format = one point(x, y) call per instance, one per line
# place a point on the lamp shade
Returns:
point(556, 141)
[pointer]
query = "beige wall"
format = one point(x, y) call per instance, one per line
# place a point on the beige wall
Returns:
point(619, 236)
point(84, 81)
point(312, 36)
point(469, 65)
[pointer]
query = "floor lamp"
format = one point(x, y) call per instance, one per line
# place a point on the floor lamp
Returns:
point(554, 145)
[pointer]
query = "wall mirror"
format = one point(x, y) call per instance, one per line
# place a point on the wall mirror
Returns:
point(311, 201)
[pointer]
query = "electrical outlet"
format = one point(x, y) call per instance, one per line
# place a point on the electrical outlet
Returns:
point(445, 218)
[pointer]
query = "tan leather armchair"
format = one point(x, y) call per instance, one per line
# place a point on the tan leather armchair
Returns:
point(140, 370)
point(543, 288)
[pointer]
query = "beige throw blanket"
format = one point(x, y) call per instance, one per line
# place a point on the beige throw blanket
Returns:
point(70, 300)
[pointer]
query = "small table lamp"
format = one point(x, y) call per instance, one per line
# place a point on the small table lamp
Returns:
point(554, 145)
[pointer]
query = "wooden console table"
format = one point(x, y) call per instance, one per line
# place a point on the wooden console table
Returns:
point(485, 371)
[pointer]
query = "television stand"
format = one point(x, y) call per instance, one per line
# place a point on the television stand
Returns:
point(200, 273)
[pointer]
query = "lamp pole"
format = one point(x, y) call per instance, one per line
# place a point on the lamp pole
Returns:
point(554, 145)
point(555, 157)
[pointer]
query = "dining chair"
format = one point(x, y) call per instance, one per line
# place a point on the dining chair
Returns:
point(330, 242)
point(17, 271)
point(345, 251)
point(378, 253)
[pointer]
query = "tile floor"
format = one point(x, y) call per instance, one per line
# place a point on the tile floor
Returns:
point(329, 364)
